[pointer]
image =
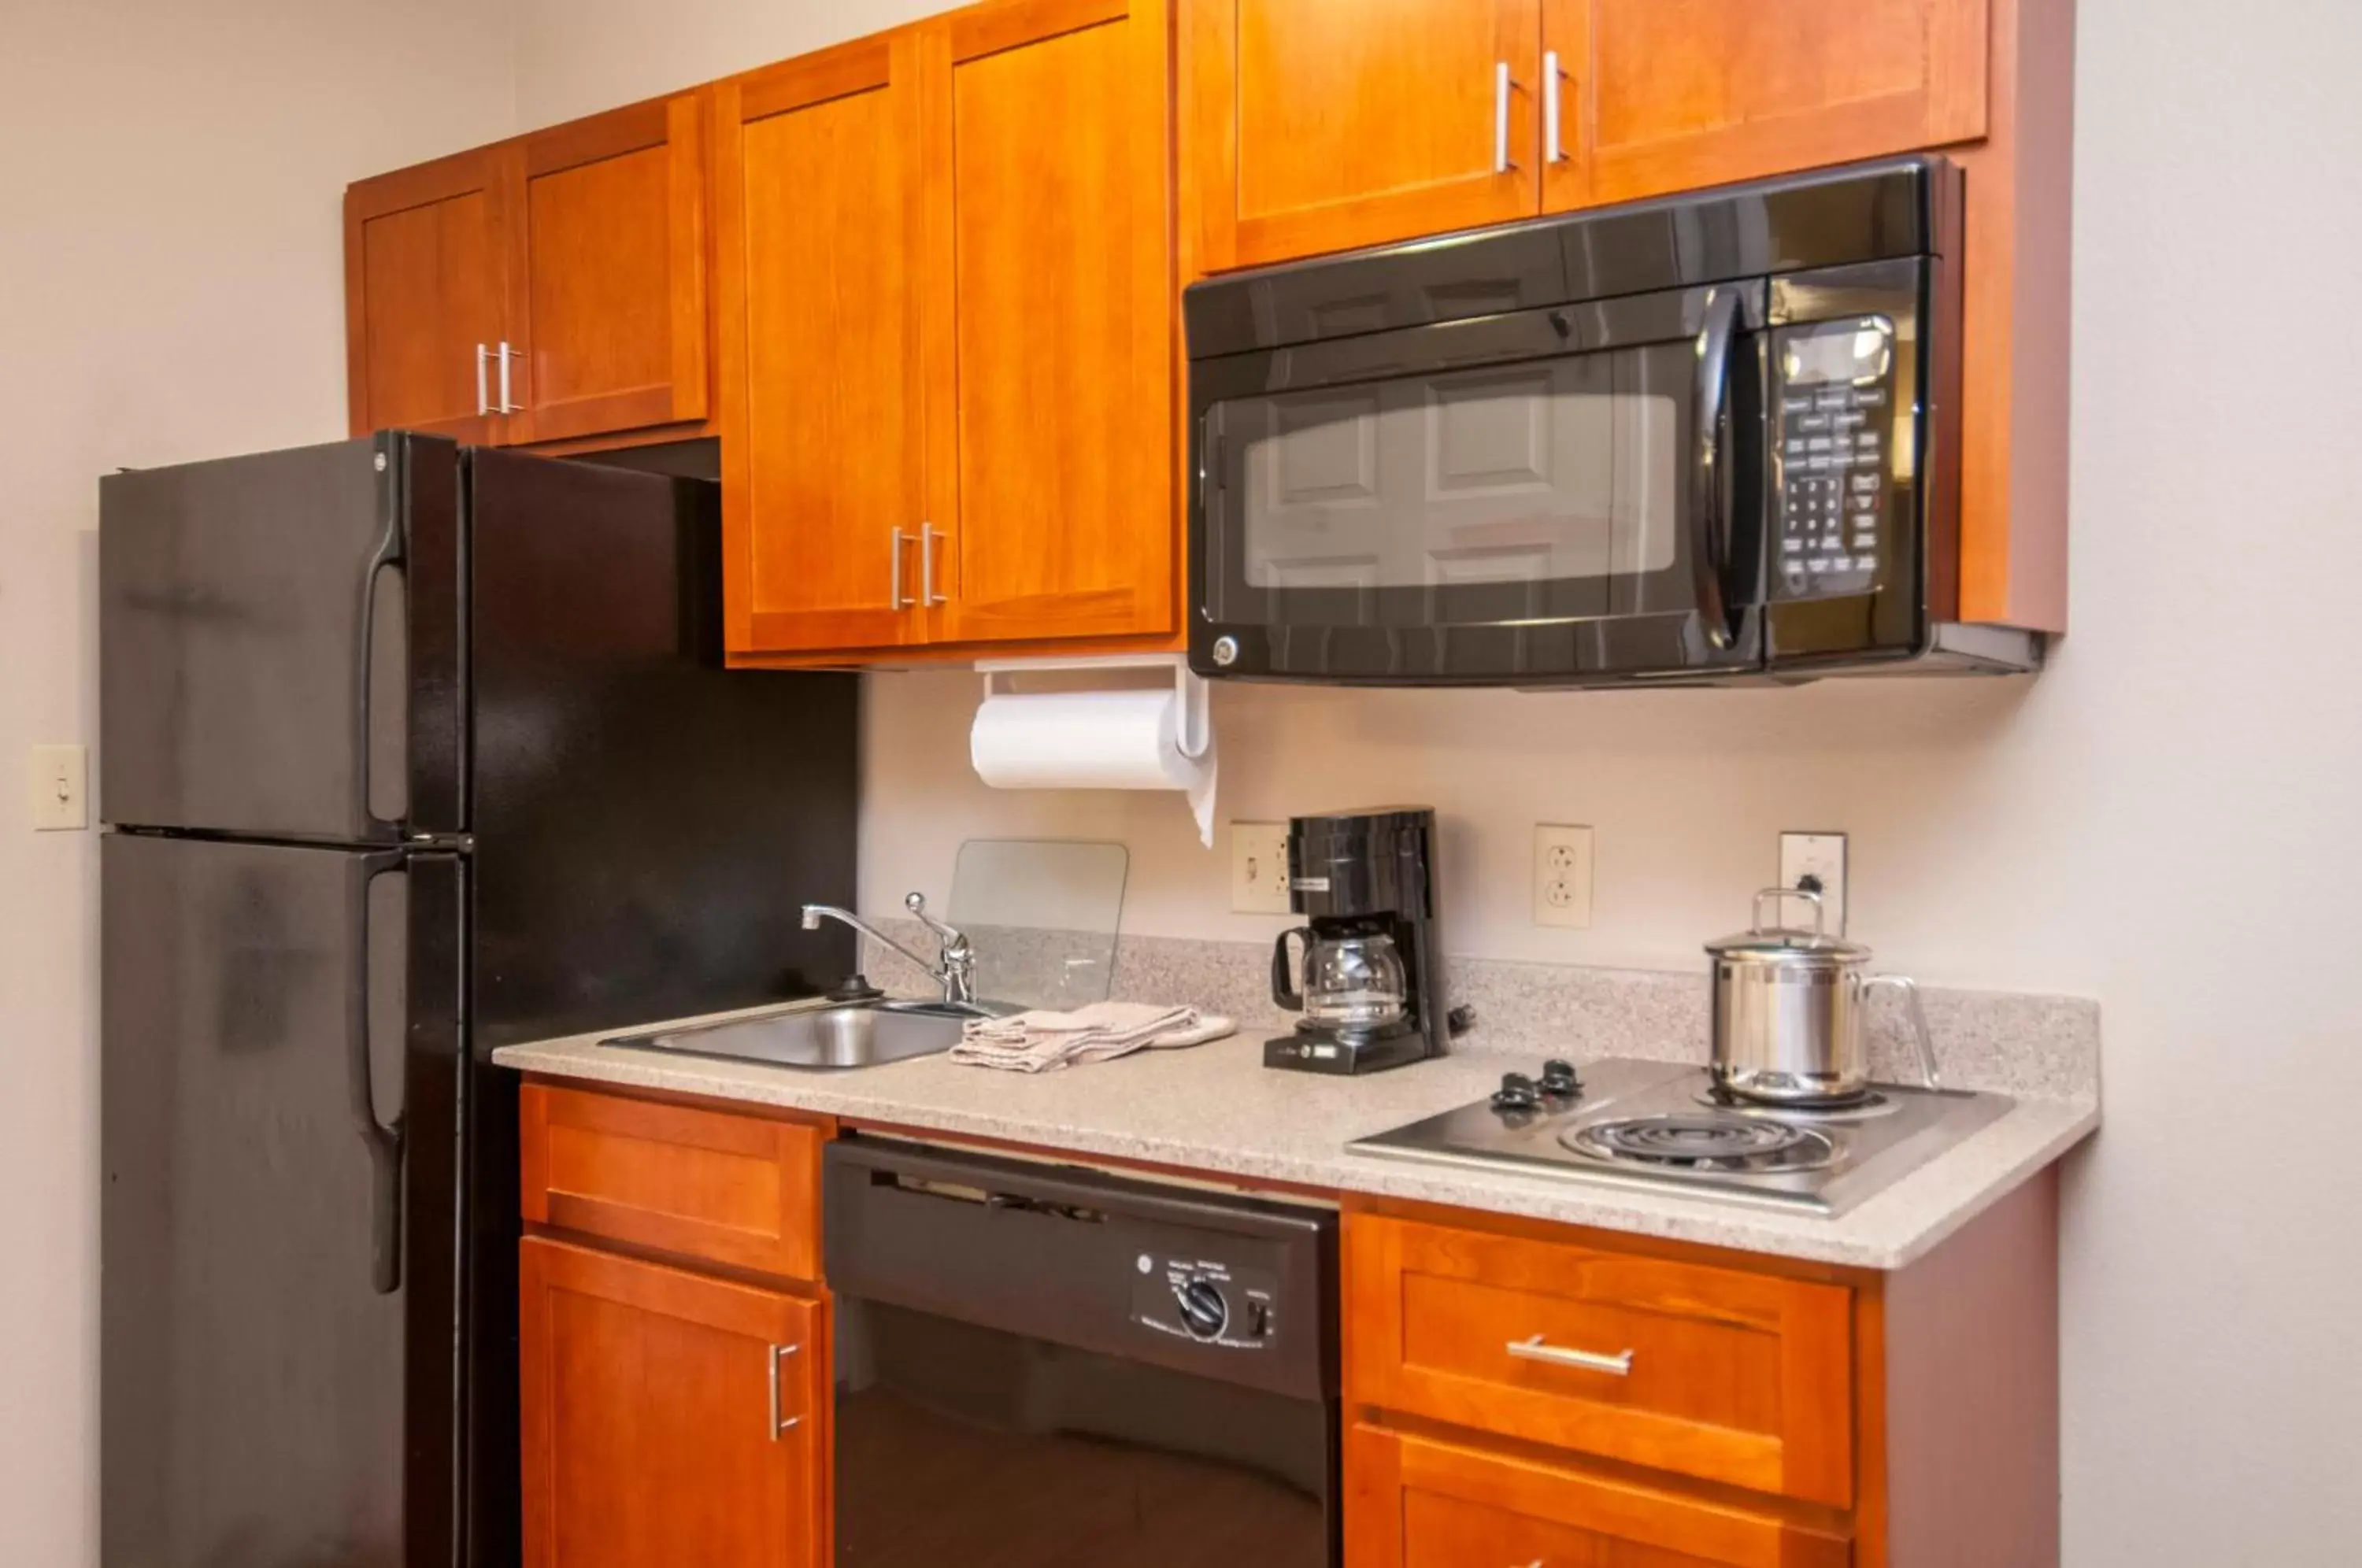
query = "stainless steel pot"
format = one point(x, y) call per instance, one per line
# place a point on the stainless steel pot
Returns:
point(1788, 1008)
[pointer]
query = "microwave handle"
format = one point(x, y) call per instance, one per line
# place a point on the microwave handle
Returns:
point(1706, 524)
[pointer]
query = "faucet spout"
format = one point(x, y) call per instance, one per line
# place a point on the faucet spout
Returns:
point(954, 968)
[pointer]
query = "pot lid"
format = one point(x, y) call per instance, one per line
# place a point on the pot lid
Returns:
point(1763, 944)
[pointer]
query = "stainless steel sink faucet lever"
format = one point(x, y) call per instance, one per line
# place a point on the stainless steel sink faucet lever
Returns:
point(954, 968)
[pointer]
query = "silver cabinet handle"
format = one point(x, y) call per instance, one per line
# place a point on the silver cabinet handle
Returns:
point(506, 406)
point(778, 1425)
point(1537, 1348)
point(483, 397)
point(927, 537)
point(1551, 152)
point(894, 594)
point(1501, 86)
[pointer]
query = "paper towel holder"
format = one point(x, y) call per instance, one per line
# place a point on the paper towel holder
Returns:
point(1194, 721)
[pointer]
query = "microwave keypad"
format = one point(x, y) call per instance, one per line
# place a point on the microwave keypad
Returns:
point(1833, 460)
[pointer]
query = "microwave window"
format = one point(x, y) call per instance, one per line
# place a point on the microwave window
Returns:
point(1550, 473)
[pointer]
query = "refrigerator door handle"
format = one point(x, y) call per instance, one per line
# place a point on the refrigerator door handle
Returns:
point(389, 554)
point(384, 1139)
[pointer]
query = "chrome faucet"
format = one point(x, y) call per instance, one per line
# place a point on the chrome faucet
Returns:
point(955, 968)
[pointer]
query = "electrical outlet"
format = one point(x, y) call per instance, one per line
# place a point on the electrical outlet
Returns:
point(1259, 867)
point(1561, 874)
point(57, 788)
point(1820, 856)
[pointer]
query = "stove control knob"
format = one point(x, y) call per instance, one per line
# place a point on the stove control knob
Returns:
point(1517, 1093)
point(1204, 1312)
point(1558, 1080)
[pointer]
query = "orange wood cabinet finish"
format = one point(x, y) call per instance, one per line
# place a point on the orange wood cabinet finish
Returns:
point(1657, 97)
point(822, 415)
point(547, 289)
point(668, 1418)
point(609, 248)
point(719, 1186)
point(1318, 125)
point(1050, 257)
point(1321, 124)
point(1415, 1502)
point(1733, 1376)
point(949, 346)
point(426, 285)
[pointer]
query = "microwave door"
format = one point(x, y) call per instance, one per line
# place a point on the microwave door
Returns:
point(1519, 505)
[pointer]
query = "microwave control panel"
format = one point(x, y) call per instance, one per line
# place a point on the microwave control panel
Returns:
point(1835, 434)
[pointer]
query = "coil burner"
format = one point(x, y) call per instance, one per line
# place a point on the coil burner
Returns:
point(1703, 1142)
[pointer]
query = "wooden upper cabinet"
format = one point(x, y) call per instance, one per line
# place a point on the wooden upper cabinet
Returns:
point(610, 247)
point(1321, 124)
point(1314, 125)
point(426, 296)
point(1051, 370)
point(1657, 97)
point(666, 1417)
point(822, 420)
point(949, 341)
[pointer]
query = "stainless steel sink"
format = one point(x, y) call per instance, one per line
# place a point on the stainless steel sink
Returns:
point(804, 1034)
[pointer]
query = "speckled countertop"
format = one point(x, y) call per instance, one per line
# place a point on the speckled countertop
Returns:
point(1215, 1109)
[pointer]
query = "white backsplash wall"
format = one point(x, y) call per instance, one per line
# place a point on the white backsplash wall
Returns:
point(1686, 792)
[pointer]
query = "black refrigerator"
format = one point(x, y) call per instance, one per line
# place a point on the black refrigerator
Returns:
point(408, 751)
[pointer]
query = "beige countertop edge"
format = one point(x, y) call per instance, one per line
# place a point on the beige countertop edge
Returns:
point(1215, 1109)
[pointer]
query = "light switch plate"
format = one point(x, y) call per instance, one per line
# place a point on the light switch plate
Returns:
point(1259, 867)
point(1561, 874)
point(57, 788)
point(1822, 856)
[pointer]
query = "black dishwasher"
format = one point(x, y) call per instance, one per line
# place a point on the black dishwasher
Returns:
point(1040, 1366)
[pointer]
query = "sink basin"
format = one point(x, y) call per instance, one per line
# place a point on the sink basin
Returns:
point(858, 1034)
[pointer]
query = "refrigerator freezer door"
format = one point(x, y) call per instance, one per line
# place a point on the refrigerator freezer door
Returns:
point(647, 824)
point(257, 620)
point(277, 1324)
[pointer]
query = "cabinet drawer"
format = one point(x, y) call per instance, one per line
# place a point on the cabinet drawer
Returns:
point(734, 1189)
point(1710, 1372)
point(1415, 1503)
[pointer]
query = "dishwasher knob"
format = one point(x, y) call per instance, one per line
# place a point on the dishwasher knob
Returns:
point(1203, 1311)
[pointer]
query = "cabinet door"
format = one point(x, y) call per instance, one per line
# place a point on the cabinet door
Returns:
point(1052, 323)
point(1321, 124)
point(426, 306)
point(821, 417)
point(1413, 1502)
point(609, 246)
point(1659, 95)
point(668, 1418)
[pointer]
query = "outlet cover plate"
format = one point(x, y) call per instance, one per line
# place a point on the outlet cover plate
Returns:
point(1259, 867)
point(57, 788)
point(1563, 863)
point(1821, 856)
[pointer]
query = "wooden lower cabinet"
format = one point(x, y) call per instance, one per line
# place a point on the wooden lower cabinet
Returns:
point(668, 1418)
point(1415, 1502)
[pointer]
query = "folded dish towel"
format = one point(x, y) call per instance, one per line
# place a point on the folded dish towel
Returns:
point(1040, 1041)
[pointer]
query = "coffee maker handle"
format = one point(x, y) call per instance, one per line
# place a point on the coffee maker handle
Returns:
point(1283, 973)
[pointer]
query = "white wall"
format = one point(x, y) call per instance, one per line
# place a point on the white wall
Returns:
point(171, 288)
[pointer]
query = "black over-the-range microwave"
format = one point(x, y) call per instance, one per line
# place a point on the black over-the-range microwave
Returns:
point(1711, 438)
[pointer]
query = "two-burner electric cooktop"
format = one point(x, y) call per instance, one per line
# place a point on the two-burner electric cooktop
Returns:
point(1663, 1125)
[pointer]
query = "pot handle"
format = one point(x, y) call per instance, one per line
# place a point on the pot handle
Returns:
point(1928, 1076)
point(1775, 894)
point(1283, 988)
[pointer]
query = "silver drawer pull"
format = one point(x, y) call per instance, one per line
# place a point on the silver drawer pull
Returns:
point(1536, 1349)
point(778, 1423)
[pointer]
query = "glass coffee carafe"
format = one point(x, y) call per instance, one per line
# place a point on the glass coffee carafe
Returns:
point(1354, 980)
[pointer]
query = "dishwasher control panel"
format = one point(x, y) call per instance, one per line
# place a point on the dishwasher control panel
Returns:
point(1207, 1300)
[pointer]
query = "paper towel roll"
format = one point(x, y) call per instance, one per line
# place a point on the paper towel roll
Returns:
point(1091, 740)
